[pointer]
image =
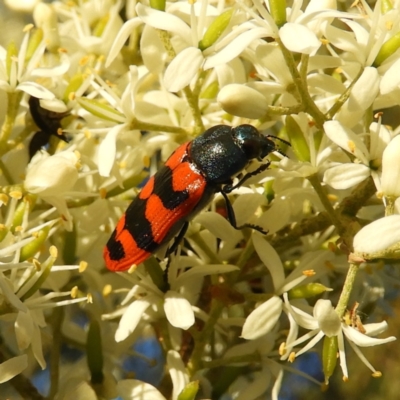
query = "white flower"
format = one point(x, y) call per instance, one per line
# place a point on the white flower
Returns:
point(21, 299)
point(367, 162)
point(326, 322)
point(263, 319)
point(21, 74)
point(175, 304)
point(52, 177)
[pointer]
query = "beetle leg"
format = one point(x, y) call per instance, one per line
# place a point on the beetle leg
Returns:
point(232, 217)
point(172, 249)
point(178, 239)
point(229, 188)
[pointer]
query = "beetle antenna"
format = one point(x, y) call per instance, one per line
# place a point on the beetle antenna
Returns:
point(281, 140)
point(278, 138)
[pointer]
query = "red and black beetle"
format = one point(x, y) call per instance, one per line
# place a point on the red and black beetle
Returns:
point(184, 186)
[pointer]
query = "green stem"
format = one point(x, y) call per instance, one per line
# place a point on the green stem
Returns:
point(343, 97)
point(14, 99)
point(195, 363)
point(301, 86)
point(58, 316)
point(248, 358)
point(193, 102)
point(347, 288)
point(6, 173)
point(325, 201)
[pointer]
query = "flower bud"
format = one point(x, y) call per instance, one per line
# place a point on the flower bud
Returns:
point(390, 181)
point(52, 175)
point(215, 30)
point(306, 291)
point(278, 11)
point(329, 356)
point(388, 48)
point(30, 249)
point(46, 19)
point(158, 4)
point(242, 101)
point(328, 320)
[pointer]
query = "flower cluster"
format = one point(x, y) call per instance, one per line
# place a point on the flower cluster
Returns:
point(97, 94)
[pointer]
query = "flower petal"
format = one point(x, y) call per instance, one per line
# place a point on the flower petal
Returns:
point(132, 389)
point(107, 150)
point(164, 21)
point(127, 29)
point(132, 317)
point(362, 95)
point(177, 372)
point(263, 319)
point(379, 235)
point(299, 38)
point(235, 47)
point(178, 310)
point(362, 340)
point(327, 318)
point(346, 175)
point(345, 138)
point(271, 260)
point(242, 101)
point(12, 367)
point(183, 69)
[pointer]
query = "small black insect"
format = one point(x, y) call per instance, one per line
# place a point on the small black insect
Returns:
point(49, 123)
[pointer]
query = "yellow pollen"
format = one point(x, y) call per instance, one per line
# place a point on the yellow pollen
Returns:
point(352, 146)
point(107, 289)
point(345, 378)
point(132, 269)
point(82, 266)
point(16, 194)
point(103, 193)
point(377, 374)
point(282, 348)
point(309, 272)
point(89, 298)
point(53, 251)
point(74, 292)
point(3, 198)
point(27, 28)
point(37, 264)
point(292, 356)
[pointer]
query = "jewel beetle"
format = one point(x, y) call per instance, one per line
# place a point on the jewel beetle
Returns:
point(187, 182)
